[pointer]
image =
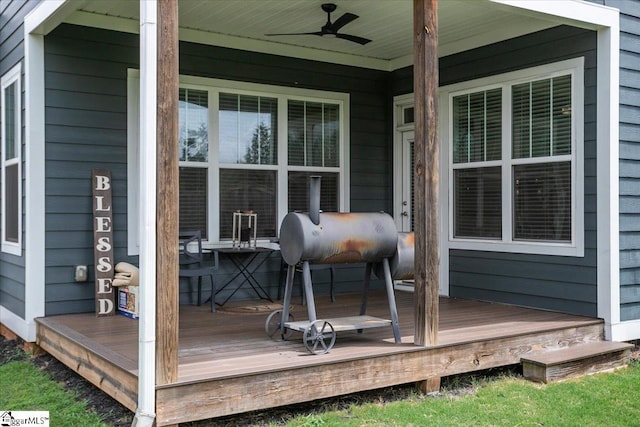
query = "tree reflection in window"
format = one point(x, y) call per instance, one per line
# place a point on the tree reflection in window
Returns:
point(193, 125)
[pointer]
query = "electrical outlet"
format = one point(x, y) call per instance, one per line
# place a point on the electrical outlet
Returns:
point(81, 273)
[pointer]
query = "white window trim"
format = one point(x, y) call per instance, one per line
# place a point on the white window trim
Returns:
point(214, 87)
point(13, 76)
point(574, 248)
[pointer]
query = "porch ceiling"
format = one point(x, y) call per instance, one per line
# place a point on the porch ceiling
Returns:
point(464, 24)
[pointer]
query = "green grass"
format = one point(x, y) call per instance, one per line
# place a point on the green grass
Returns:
point(24, 388)
point(599, 400)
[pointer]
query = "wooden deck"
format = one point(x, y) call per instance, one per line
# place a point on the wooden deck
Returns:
point(228, 365)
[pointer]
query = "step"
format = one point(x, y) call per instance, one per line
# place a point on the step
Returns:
point(583, 359)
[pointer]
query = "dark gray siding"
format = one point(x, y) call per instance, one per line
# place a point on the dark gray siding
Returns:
point(86, 128)
point(629, 158)
point(550, 282)
point(85, 80)
point(12, 277)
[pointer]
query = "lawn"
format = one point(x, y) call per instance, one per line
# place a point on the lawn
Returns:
point(610, 399)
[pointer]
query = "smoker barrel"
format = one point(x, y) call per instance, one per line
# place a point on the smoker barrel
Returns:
point(402, 262)
point(338, 238)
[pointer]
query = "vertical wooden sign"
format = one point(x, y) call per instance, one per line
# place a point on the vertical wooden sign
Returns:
point(103, 241)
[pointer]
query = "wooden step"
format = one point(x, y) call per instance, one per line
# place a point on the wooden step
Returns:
point(583, 359)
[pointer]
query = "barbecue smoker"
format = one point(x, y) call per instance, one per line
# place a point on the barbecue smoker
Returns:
point(334, 238)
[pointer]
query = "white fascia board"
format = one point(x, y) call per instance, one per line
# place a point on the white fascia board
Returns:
point(576, 13)
point(49, 14)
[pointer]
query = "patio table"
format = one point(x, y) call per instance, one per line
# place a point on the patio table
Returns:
point(247, 261)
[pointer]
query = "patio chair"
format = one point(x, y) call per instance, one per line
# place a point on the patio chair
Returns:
point(192, 263)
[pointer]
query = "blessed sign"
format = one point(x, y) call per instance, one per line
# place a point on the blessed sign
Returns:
point(103, 241)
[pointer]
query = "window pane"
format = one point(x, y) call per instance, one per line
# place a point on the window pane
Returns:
point(248, 190)
point(193, 116)
point(461, 129)
point(477, 203)
point(542, 118)
point(542, 201)
point(493, 117)
point(193, 200)
point(562, 115)
point(314, 136)
point(299, 191)
point(10, 121)
point(477, 126)
point(11, 216)
point(248, 129)
point(521, 121)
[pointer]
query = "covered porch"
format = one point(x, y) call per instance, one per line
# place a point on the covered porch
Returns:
point(227, 364)
point(192, 364)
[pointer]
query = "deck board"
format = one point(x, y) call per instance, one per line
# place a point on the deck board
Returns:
point(230, 348)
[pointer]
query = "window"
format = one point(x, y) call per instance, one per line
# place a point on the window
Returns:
point(11, 162)
point(250, 147)
point(515, 161)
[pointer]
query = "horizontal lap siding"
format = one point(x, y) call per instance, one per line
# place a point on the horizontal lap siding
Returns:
point(12, 268)
point(565, 284)
point(86, 120)
point(629, 159)
point(86, 128)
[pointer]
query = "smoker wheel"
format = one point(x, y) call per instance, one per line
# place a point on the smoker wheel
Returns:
point(274, 323)
point(319, 337)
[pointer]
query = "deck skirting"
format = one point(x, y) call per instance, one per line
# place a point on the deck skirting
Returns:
point(226, 396)
point(228, 365)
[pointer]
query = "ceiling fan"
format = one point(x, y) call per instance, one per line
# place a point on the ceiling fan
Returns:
point(331, 29)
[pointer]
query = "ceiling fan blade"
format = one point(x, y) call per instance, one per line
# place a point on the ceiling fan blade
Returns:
point(314, 33)
point(356, 39)
point(342, 21)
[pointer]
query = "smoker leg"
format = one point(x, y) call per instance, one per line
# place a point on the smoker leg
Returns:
point(365, 289)
point(308, 290)
point(291, 271)
point(392, 300)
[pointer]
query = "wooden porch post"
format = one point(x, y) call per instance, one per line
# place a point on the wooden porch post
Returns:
point(167, 200)
point(425, 83)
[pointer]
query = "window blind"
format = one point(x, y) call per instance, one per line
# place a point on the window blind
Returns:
point(542, 201)
point(299, 191)
point(248, 189)
point(193, 200)
point(478, 203)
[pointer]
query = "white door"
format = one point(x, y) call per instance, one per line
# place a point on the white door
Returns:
point(406, 176)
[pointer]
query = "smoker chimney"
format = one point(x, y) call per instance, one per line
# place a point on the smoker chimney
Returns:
point(314, 200)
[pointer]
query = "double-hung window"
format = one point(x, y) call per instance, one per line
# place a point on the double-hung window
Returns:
point(515, 161)
point(251, 147)
point(11, 162)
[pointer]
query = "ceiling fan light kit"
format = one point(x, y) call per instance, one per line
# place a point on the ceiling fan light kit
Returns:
point(330, 29)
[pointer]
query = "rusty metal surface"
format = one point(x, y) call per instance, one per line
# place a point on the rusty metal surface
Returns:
point(402, 262)
point(338, 238)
